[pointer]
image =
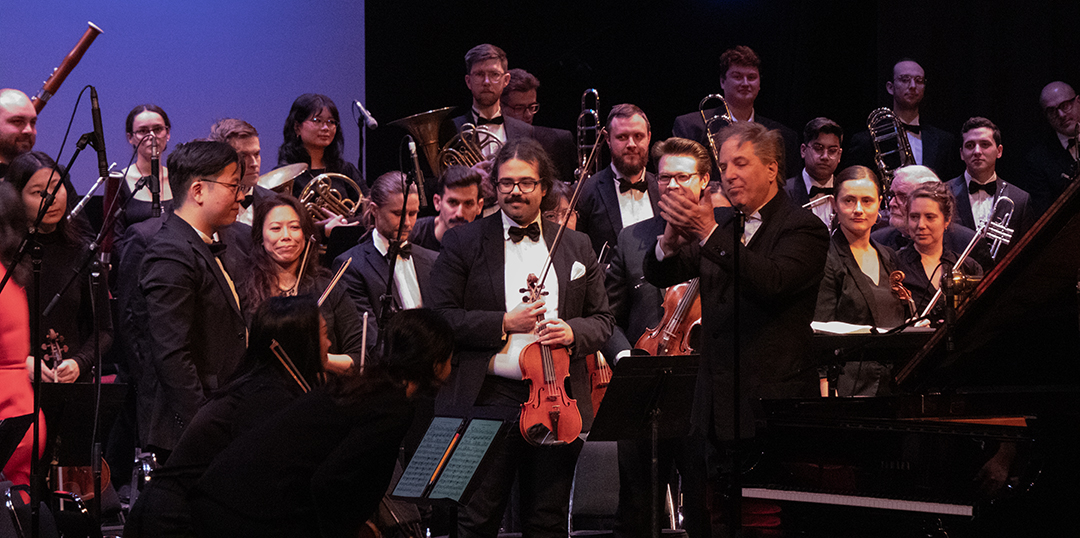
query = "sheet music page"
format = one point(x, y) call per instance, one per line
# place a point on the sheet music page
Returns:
point(427, 457)
point(470, 451)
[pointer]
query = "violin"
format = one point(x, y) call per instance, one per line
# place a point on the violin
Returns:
point(682, 312)
point(55, 348)
point(896, 282)
point(599, 378)
point(550, 416)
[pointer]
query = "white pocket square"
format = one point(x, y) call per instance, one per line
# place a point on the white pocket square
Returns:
point(577, 271)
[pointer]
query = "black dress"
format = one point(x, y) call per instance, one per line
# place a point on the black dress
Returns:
point(922, 291)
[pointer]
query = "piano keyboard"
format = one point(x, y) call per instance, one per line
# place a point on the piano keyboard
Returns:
point(859, 501)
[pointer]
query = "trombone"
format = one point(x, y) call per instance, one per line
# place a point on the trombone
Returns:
point(710, 132)
point(588, 125)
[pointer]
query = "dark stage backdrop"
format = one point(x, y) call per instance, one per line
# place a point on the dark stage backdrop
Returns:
point(200, 60)
point(824, 58)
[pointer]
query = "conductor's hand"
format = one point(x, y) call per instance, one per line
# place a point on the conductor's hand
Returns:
point(555, 332)
point(522, 318)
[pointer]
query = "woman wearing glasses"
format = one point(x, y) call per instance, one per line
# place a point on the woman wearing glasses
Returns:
point(313, 136)
point(147, 129)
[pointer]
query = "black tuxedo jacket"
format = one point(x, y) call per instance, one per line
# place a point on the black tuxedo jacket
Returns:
point(796, 189)
point(195, 331)
point(1022, 218)
point(846, 294)
point(941, 152)
point(470, 293)
point(515, 128)
point(599, 215)
point(636, 304)
point(1048, 169)
point(693, 127)
point(781, 270)
point(365, 280)
point(561, 147)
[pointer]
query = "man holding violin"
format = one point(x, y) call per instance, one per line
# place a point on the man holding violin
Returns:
point(482, 267)
point(782, 252)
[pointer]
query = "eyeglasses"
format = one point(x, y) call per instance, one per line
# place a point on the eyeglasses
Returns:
point(1063, 107)
point(679, 178)
point(901, 197)
point(157, 130)
point(319, 123)
point(493, 76)
point(235, 187)
point(520, 109)
point(506, 186)
point(908, 79)
point(831, 151)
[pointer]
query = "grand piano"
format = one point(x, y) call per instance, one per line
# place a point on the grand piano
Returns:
point(982, 436)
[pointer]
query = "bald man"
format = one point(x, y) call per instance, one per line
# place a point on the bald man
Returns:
point(18, 126)
point(1053, 162)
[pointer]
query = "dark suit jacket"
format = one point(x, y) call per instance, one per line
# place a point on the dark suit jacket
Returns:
point(846, 294)
point(956, 239)
point(693, 127)
point(470, 294)
point(561, 147)
point(365, 280)
point(196, 332)
point(1022, 218)
point(1048, 168)
point(599, 215)
point(636, 304)
point(515, 128)
point(941, 152)
point(781, 270)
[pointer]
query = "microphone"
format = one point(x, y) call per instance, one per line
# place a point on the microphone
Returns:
point(369, 120)
point(89, 194)
point(155, 182)
point(419, 173)
point(99, 135)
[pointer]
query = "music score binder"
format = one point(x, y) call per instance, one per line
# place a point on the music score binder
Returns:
point(447, 459)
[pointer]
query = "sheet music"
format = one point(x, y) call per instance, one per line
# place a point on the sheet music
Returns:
point(427, 457)
point(470, 451)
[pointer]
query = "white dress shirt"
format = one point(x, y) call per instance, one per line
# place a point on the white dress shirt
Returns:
point(634, 206)
point(825, 210)
point(982, 204)
point(406, 285)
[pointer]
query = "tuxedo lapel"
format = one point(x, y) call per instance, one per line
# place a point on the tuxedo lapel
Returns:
point(963, 202)
point(561, 262)
point(493, 254)
point(203, 251)
point(606, 186)
point(654, 192)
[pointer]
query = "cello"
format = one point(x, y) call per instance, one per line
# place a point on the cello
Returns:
point(682, 313)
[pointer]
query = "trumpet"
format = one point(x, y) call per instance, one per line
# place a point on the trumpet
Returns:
point(319, 194)
point(889, 138)
point(726, 118)
point(588, 125)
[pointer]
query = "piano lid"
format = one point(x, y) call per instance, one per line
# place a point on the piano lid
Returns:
point(1022, 325)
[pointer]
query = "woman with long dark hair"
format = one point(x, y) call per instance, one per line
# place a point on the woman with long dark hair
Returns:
point(281, 231)
point(321, 466)
point(33, 174)
point(263, 386)
point(313, 135)
point(147, 127)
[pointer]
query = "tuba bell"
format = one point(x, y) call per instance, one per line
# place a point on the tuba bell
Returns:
point(319, 194)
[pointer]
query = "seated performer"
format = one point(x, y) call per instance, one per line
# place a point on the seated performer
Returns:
point(321, 466)
point(930, 211)
point(195, 331)
point(481, 269)
point(820, 153)
point(1054, 161)
point(261, 387)
point(459, 199)
point(856, 288)
point(18, 126)
point(63, 244)
point(282, 233)
point(243, 137)
point(313, 136)
point(366, 279)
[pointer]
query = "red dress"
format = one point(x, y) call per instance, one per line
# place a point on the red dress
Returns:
point(16, 393)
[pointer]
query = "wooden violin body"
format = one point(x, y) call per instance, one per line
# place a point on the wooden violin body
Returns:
point(599, 378)
point(682, 312)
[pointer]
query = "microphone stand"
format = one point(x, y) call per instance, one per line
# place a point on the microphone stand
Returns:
point(735, 483)
point(387, 299)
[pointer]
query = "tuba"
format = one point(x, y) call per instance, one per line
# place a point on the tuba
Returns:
point(319, 194)
point(891, 147)
point(710, 131)
point(424, 127)
point(588, 125)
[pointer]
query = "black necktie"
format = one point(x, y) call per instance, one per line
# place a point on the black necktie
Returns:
point(247, 201)
point(914, 129)
point(517, 233)
point(989, 188)
point(497, 120)
point(815, 190)
point(625, 185)
point(405, 250)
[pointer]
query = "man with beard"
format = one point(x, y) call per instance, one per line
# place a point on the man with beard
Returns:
point(1055, 160)
point(486, 76)
point(624, 193)
point(930, 146)
point(18, 126)
point(459, 200)
point(820, 152)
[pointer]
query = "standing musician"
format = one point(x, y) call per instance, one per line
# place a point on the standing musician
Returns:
point(148, 128)
point(481, 269)
point(624, 193)
point(782, 257)
point(486, 77)
point(366, 279)
point(18, 126)
point(637, 305)
point(820, 153)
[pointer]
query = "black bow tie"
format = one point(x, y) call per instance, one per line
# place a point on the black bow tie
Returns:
point(517, 233)
point(989, 188)
point(497, 120)
point(405, 250)
point(915, 129)
point(625, 185)
point(815, 190)
point(217, 249)
point(247, 201)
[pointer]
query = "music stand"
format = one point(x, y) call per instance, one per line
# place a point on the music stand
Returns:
point(12, 431)
point(649, 397)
